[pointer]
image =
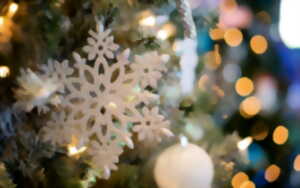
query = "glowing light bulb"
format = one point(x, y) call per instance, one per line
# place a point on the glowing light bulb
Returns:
point(112, 105)
point(13, 7)
point(233, 37)
point(259, 131)
point(280, 135)
point(177, 46)
point(250, 107)
point(202, 82)
point(5, 29)
point(248, 184)
point(1, 20)
point(259, 44)
point(245, 143)
point(4, 71)
point(272, 173)
point(72, 148)
point(264, 17)
point(244, 86)
point(213, 59)
point(216, 34)
point(162, 34)
point(238, 179)
point(148, 21)
point(289, 26)
point(297, 163)
point(166, 31)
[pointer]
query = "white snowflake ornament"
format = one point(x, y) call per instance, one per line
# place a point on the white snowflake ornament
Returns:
point(36, 91)
point(150, 67)
point(152, 126)
point(105, 95)
point(100, 46)
point(57, 72)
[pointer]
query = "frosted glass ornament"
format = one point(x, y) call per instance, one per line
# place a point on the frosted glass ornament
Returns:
point(184, 167)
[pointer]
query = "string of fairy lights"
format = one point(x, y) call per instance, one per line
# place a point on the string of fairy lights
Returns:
point(251, 105)
point(159, 24)
point(6, 32)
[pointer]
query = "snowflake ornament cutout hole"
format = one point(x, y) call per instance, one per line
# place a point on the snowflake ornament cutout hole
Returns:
point(102, 101)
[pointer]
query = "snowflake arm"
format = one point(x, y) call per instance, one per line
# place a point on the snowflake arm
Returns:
point(153, 126)
point(150, 67)
point(34, 91)
point(100, 45)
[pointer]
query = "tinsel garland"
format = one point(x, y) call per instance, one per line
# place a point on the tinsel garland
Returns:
point(185, 12)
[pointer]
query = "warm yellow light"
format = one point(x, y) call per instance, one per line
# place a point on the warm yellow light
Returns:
point(264, 17)
point(13, 7)
point(1, 20)
point(259, 131)
point(72, 148)
point(5, 29)
point(247, 184)
point(272, 173)
point(162, 34)
point(129, 98)
point(238, 179)
point(244, 86)
point(228, 5)
point(177, 46)
point(245, 143)
point(228, 166)
point(213, 59)
point(4, 71)
point(202, 82)
point(259, 44)
point(216, 34)
point(148, 21)
point(112, 105)
point(233, 37)
point(260, 136)
point(250, 107)
point(297, 163)
point(166, 31)
point(280, 135)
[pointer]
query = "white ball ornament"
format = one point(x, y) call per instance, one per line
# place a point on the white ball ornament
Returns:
point(184, 166)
